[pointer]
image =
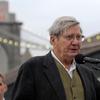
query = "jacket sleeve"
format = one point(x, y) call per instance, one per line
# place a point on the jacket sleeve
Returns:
point(24, 85)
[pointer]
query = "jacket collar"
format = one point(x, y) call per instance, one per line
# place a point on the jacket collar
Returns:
point(53, 75)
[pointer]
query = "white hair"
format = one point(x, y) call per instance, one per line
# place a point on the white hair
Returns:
point(62, 23)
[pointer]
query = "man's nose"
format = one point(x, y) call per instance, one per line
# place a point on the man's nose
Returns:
point(75, 41)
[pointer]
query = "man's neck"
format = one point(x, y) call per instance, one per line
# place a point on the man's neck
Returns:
point(65, 62)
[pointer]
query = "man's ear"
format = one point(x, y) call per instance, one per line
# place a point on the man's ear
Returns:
point(5, 88)
point(52, 39)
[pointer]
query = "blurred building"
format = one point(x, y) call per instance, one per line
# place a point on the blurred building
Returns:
point(12, 44)
point(91, 46)
point(9, 38)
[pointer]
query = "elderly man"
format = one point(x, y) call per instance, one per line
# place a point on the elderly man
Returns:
point(57, 76)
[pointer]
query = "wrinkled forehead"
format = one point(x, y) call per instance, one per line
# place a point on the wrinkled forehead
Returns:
point(72, 29)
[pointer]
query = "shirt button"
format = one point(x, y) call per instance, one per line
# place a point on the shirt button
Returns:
point(74, 97)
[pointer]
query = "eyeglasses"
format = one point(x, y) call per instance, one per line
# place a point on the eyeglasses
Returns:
point(72, 37)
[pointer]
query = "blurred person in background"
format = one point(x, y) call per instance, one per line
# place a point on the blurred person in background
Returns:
point(3, 87)
point(57, 76)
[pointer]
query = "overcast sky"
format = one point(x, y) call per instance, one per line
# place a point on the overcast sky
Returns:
point(38, 15)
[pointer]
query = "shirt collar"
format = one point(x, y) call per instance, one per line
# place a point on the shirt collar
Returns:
point(72, 66)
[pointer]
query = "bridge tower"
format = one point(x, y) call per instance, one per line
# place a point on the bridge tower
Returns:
point(9, 38)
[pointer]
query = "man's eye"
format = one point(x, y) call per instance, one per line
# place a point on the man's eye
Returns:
point(69, 37)
point(78, 37)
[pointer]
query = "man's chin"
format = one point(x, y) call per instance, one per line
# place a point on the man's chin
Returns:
point(73, 54)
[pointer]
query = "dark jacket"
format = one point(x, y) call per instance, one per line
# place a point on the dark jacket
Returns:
point(39, 79)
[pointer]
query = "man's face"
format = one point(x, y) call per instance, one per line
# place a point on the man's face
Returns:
point(3, 87)
point(68, 43)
